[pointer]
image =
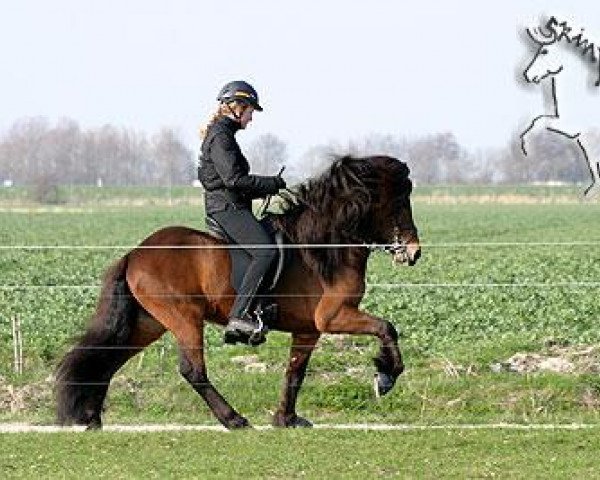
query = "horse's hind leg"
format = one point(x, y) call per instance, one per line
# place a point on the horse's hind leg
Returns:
point(300, 352)
point(189, 334)
point(183, 316)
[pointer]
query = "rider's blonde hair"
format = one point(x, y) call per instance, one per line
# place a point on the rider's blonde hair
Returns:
point(223, 110)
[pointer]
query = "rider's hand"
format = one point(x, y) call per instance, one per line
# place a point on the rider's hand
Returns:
point(280, 182)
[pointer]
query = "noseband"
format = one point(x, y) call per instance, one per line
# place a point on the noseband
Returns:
point(397, 247)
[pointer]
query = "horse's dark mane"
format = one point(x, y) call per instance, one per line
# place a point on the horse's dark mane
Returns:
point(336, 208)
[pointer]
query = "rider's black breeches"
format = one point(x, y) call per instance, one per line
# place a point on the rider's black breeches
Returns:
point(244, 229)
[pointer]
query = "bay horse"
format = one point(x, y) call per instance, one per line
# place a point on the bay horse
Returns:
point(178, 278)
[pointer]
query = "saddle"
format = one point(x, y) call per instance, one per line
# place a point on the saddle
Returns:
point(263, 305)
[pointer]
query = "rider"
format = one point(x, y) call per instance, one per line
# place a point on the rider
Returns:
point(229, 190)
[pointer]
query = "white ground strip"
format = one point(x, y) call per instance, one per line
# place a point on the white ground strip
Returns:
point(27, 428)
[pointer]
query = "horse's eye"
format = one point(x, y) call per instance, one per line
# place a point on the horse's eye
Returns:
point(544, 51)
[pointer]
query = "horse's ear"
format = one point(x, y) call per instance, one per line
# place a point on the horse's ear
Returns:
point(404, 169)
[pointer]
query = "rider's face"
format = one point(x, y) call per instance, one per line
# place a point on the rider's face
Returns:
point(246, 117)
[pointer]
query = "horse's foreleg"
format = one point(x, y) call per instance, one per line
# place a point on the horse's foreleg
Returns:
point(349, 319)
point(300, 352)
point(193, 368)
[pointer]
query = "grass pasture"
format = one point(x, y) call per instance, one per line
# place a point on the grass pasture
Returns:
point(495, 279)
point(274, 454)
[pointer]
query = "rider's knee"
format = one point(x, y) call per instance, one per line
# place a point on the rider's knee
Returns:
point(265, 254)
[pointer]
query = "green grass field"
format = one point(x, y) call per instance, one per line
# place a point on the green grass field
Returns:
point(275, 454)
point(86, 196)
point(494, 280)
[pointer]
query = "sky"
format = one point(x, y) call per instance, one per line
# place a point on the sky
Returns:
point(326, 71)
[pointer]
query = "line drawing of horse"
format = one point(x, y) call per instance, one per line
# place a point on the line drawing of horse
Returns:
point(549, 62)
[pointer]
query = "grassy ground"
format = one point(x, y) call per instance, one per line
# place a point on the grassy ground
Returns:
point(88, 196)
point(275, 454)
point(467, 306)
point(463, 310)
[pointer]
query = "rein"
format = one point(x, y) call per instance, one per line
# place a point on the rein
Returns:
point(267, 201)
point(398, 248)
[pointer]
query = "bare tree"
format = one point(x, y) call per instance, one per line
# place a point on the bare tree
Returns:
point(267, 154)
point(171, 158)
point(314, 161)
point(33, 152)
point(22, 149)
point(552, 158)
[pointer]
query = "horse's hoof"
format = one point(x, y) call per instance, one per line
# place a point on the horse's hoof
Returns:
point(94, 425)
point(301, 422)
point(383, 383)
point(291, 421)
point(237, 422)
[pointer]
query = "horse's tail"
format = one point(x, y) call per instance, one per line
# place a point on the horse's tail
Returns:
point(84, 373)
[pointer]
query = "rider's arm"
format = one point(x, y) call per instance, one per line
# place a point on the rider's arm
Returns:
point(230, 165)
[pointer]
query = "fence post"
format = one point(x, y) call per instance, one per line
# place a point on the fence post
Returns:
point(17, 345)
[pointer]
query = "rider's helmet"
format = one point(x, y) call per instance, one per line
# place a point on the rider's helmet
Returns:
point(240, 91)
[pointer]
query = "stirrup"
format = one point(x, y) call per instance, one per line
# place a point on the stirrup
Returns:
point(268, 314)
point(258, 336)
point(237, 334)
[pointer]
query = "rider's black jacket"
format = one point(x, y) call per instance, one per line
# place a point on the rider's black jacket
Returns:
point(224, 171)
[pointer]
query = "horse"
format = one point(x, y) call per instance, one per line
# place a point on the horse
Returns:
point(178, 278)
point(548, 62)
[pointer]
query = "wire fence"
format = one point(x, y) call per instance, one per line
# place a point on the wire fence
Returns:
point(16, 321)
point(590, 243)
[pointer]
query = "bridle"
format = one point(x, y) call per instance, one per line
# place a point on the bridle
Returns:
point(397, 247)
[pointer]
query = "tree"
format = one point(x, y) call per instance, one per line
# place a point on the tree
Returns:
point(171, 158)
point(267, 154)
point(22, 149)
point(552, 157)
point(313, 162)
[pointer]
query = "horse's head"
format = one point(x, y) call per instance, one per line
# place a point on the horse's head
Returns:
point(547, 59)
point(392, 218)
point(356, 201)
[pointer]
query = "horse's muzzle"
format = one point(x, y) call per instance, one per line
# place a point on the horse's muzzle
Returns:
point(414, 253)
point(406, 253)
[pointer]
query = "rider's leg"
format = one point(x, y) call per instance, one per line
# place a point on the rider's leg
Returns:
point(244, 229)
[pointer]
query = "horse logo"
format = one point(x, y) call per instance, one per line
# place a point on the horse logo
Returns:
point(548, 62)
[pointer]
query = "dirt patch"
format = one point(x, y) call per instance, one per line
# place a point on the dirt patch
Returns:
point(558, 359)
point(250, 363)
point(18, 398)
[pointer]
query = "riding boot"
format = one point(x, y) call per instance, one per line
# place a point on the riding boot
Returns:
point(242, 326)
point(245, 329)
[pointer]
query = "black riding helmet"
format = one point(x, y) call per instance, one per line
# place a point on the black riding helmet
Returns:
point(240, 91)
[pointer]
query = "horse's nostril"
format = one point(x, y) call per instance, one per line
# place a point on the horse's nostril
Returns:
point(412, 258)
